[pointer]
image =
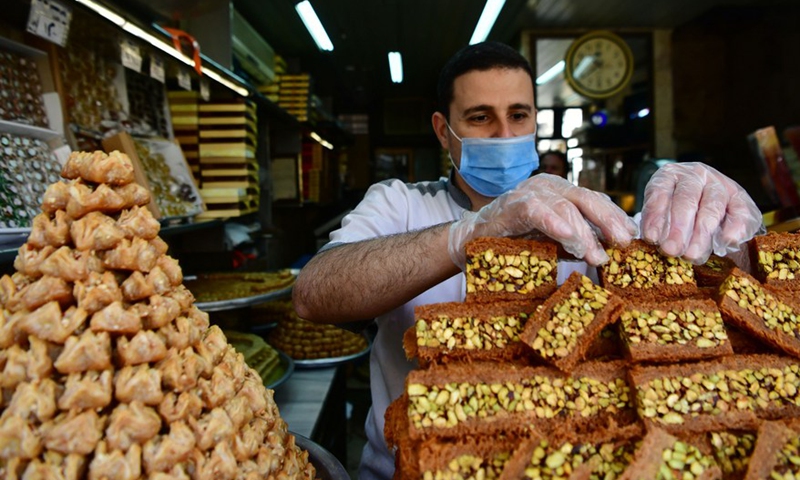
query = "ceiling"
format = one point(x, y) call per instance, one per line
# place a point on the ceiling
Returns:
point(355, 75)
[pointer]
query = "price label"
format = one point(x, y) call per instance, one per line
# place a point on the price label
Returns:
point(184, 80)
point(205, 94)
point(131, 55)
point(50, 19)
point(157, 68)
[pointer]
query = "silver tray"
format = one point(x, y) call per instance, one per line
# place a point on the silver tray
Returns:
point(288, 364)
point(332, 361)
point(235, 303)
point(328, 467)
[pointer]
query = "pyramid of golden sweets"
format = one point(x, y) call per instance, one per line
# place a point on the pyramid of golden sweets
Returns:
point(304, 340)
point(107, 369)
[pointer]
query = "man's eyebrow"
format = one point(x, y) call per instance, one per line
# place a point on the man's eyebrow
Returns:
point(483, 108)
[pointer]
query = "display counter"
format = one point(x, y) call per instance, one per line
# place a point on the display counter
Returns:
point(312, 403)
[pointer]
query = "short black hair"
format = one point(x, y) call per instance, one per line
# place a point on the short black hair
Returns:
point(482, 57)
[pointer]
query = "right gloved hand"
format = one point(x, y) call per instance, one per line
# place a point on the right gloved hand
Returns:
point(550, 205)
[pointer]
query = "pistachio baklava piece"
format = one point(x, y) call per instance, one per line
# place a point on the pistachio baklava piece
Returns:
point(641, 271)
point(673, 331)
point(766, 313)
point(564, 328)
point(662, 457)
point(776, 258)
point(503, 269)
point(733, 392)
point(462, 331)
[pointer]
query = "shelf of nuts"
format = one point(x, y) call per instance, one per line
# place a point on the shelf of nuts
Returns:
point(27, 168)
point(169, 178)
point(20, 88)
point(316, 345)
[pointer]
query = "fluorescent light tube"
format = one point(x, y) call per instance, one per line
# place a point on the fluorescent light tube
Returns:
point(313, 25)
point(551, 73)
point(104, 12)
point(486, 22)
point(396, 66)
point(320, 140)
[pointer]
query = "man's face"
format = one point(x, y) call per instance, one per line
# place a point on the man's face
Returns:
point(492, 103)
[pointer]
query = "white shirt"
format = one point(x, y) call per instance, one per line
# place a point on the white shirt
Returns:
point(392, 207)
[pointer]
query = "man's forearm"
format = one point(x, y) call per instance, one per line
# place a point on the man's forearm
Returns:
point(358, 281)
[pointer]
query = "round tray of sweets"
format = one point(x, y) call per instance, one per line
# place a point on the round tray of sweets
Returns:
point(231, 290)
point(278, 376)
point(333, 361)
point(328, 467)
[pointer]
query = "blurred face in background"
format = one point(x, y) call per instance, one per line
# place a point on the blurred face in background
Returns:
point(553, 164)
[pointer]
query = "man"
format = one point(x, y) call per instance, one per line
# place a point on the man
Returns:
point(403, 245)
point(554, 163)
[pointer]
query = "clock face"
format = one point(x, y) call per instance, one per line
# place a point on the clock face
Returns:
point(599, 64)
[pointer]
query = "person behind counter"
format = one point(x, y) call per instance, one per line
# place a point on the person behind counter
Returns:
point(553, 162)
point(402, 246)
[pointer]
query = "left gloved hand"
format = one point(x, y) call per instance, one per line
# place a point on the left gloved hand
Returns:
point(692, 210)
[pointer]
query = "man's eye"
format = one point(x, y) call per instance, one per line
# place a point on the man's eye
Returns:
point(519, 116)
point(479, 118)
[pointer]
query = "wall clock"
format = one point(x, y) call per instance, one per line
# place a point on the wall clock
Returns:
point(599, 64)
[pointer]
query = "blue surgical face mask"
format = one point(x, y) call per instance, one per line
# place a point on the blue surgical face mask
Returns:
point(493, 166)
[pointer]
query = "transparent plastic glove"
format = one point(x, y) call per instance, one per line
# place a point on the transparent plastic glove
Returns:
point(554, 207)
point(691, 210)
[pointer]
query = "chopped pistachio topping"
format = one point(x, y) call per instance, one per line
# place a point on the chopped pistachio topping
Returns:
point(470, 466)
point(569, 319)
point(666, 400)
point(551, 462)
point(643, 270)
point(780, 265)
point(469, 333)
point(519, 273)
point(445, 406)
point(788, 461)
point(776, 315)
point(732, 451)
point(683, 461)
point(694, 327)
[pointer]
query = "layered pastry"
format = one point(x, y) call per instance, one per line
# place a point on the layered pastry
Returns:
point(732, 450)
point(713, 272)
point(641, 271)
point(776, 259)
point(502, 269)
point(460, 331)
point(673, 331)
point(729, 393)
point(107, 368)
point(459, 400)
point(594, 455)
point(564, 328)
point(776, 452)
point(768, 314)
point(665, 456)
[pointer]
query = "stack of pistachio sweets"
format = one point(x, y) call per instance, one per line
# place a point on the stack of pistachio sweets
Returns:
point(107, 368)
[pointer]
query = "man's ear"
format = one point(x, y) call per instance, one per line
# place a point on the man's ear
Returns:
point(440, 129)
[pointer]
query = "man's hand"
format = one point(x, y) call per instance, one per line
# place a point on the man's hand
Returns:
point(554, 207)
point(691, 209)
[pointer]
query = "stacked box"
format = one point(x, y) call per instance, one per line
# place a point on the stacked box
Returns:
point(183, 110)
point(228, 164)
point(294, 95)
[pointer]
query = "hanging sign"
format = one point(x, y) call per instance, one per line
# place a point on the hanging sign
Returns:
point(50, 19)
point(204, 90)
point(184, 80)
point(131, 55)
point(157, 68)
